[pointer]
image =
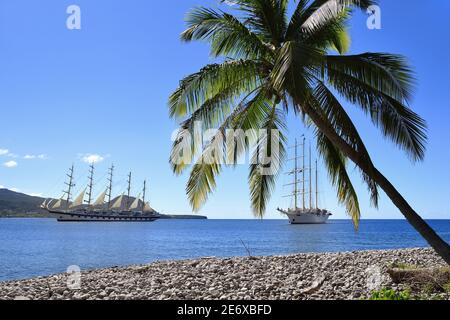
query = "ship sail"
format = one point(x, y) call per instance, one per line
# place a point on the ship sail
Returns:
point(147, 208)
point(136, 203)
point(57, 205)
point(119, 203)
point(79, 200)
point(60, 204)
point(100, 200)
point(44, 204)
point(50, 203)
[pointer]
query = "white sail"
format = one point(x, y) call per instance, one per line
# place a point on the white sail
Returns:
point(58, 205)
point(100, 200)
point(137, 203)
point(119, 204)
point(50, 203)
point(44, 204)
point(147, 208)
point(79, 200)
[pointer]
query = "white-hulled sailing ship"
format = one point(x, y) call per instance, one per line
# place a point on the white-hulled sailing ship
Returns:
point(306, 214)
point(105, 208)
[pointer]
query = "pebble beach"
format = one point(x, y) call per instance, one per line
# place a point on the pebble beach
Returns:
point(330, 276)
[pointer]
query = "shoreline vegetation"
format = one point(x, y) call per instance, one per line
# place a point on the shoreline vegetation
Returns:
point(384, 274)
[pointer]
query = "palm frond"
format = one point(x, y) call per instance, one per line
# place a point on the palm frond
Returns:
point(212, 80)
point(338, 118)
point(387, 73)
point(336, 165)
point(201, 182)
point(182, 152)
point(227, 35)
point(262, 176)
point(291, 68)
point(321, 12)
point(297, 20)
point(245, 125)
point(380, 95)
point(211, 113)
point(267, 18)
point(331, 34)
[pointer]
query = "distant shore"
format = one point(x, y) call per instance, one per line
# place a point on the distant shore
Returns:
point(351, 275)
point(47, 216)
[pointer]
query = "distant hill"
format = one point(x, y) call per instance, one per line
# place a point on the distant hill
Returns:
point(15, 204)
point(19, 204)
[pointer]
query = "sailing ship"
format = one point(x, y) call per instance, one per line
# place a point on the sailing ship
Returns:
point(105, 208)
point(305, 214)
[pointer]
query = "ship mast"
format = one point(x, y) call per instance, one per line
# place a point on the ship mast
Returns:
point(69, 185)
point(128, 190)
point(317, 186)
point(303, 173)
point(110, 180)
point(91, 183)
point(310, 178)
point(143, 195)
point(296, 176)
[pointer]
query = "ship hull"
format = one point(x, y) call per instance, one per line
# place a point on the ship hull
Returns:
point(307, 217)
point(62, 216)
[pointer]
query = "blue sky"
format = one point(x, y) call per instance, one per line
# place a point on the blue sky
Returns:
point(103, 90)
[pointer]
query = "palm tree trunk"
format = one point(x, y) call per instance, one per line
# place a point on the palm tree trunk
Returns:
point(438, 244)
point(434, 240)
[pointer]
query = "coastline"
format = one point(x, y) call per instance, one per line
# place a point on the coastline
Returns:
point(50, 216)
point(310, 276)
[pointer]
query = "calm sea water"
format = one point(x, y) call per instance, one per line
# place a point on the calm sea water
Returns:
point(38, 247)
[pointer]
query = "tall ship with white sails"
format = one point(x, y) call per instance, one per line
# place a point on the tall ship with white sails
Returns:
point(307, 213)
point(105, 208)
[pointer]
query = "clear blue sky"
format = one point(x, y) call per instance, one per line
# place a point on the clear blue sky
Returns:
point(103, 90)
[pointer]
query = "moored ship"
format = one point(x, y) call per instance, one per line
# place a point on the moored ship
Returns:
point(305, 214)
point(105, 208)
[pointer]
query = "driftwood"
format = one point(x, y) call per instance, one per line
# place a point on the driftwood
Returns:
point(314, 287)
point(433, 278)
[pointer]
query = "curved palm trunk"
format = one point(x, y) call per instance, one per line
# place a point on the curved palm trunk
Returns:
point(438, 244)
point(433, 239)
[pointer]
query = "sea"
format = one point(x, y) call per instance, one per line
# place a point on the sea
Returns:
point(41, 247)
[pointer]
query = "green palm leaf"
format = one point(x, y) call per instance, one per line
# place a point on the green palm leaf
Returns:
point(262, 183)
point(336, 164)
point(227, 35)
point(196, 89)
point(380, 93)
point(338, 118)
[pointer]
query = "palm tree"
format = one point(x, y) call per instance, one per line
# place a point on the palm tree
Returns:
point(269, 64)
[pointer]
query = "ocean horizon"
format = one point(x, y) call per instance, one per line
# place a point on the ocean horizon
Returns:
point(42, 247)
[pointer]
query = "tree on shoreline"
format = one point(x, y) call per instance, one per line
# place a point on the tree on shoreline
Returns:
point(274, 64)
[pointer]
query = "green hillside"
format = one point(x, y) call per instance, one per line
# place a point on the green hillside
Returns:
point(15, 204)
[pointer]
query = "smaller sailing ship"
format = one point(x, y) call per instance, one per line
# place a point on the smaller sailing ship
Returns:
point(304, 214)
point(123, 208)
